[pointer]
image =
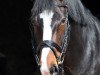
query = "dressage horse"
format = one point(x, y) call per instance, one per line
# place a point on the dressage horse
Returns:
point(67, 38)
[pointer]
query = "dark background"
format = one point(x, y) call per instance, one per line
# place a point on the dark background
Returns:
point(15, 37)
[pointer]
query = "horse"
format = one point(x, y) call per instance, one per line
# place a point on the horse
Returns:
point(66, 38)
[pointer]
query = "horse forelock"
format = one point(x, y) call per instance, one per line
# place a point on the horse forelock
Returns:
point(79, 13)
point(41, 5)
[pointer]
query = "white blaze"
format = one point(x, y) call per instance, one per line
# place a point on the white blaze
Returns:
point(44, 67)
point(47, 34)
point(47, 18)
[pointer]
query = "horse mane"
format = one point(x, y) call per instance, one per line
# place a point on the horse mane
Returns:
point(88, 28)
point(41, 5)
point(79, 13)
point(82, 16)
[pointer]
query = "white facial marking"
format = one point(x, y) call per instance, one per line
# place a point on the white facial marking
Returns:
point(47, 18)
point(47, 34)
point(44, 67)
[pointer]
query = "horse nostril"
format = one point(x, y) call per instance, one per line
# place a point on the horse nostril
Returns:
point(53, 69)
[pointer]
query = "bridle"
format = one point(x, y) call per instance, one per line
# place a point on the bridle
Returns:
point(52, 45)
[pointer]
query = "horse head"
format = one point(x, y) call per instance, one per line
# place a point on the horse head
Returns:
point(52, 19)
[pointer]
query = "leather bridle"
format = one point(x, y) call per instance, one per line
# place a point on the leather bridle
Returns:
point(52, 45)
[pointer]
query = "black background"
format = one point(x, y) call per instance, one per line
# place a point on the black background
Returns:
point(15, 37)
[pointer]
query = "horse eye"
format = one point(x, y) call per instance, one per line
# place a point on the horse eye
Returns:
point(56, 16)
point(63, 20)
point(53, 69)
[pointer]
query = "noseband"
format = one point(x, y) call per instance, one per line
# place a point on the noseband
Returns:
point(52, 45)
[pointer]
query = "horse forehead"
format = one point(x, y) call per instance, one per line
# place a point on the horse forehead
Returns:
point(47, 19)
point(46, 15)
